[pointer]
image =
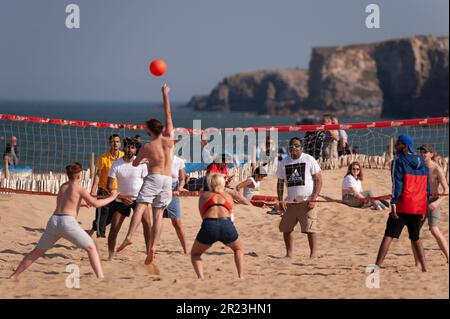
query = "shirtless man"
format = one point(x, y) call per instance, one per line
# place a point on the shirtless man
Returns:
point(437, 177)
point(157, 187)
point(64, 224)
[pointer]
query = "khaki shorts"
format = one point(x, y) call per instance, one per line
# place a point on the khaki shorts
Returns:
point(433, 216)
point(299, 213)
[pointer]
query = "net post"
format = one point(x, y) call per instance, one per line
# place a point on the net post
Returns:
point(391, 147)
point(92, 166)
point(6, 168)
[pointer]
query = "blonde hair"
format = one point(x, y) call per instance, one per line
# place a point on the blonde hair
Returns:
point(216, 182)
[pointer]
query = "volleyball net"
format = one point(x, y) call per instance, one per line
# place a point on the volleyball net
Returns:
point(36, 160)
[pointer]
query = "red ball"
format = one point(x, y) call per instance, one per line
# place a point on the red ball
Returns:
point(158, 67)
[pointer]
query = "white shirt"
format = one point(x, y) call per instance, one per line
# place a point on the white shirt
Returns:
point(351, 182)
point(343, 135)
point(298, 176)
point(177, 164)
point(252, 188)
point(129, 178)
point(206, 154)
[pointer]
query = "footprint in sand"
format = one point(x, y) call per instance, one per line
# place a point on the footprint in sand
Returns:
point(252, 254)
point(151, 269)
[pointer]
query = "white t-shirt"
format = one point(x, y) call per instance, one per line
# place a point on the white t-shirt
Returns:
point(129, 178)
point(298, 176)
point(250, 191)
point(351, 182)
point(343, 135)
point(177, 164)
point(206, 155)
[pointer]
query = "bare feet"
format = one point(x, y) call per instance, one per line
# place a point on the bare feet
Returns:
point(150, 257)
point(111, 255)
point(90, 232)
point(152, 269)
point(13, 278)
point(125, 243)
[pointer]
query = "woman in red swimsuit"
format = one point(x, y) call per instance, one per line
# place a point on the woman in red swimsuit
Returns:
point(215, 208)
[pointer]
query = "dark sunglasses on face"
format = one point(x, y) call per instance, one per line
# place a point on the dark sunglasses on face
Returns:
point(355, 169)
point(294, 146)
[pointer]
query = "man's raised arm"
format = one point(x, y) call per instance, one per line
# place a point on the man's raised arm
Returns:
point(167, 112)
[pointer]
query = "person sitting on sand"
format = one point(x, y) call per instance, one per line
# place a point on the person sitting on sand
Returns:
point(63, 223)
point(215, 208)
point(352, 191)
point(252, 184)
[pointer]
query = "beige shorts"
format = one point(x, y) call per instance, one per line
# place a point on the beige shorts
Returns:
point(299, 213)
point(433, 216)
point(156, 190)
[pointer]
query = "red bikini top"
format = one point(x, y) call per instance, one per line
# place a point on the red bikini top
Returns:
point(210, 203)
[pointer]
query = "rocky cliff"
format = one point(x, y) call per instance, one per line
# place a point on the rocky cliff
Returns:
point(263, 92)
point(344, 80)
point(397, 78)
point(413, 76)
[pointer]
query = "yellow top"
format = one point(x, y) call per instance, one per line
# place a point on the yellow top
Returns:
point(104, 164)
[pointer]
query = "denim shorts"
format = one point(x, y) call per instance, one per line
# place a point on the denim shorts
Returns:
point(217, 229)
point(173, 211)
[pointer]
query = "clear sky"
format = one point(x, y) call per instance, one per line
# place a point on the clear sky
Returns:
point(202, 41)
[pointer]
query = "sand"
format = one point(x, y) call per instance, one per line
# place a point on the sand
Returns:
point(348, 242)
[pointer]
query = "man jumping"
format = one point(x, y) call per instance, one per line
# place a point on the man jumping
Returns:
point(157, 187)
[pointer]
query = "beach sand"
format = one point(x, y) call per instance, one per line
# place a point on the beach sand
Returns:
point(348, 242)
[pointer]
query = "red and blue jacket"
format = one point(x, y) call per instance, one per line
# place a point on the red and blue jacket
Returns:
point(410, 184)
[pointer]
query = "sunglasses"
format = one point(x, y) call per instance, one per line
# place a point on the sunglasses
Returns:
point(355, 169)
point(295, 146)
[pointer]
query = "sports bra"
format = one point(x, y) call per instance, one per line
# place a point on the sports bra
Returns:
point(210, 203)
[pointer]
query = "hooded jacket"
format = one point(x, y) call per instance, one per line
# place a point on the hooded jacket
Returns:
point(410, 184)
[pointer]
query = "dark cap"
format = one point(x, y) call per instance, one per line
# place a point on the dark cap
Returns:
point(408, 141)
point(426, 147)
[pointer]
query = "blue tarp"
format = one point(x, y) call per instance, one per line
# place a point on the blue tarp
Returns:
point(19, 169)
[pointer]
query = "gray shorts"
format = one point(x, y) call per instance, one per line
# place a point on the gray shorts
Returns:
point(433, 217)
point(66, 227)
point(156, 190)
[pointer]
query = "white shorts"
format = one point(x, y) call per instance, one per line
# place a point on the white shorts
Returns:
point(66, 227)
point(156, 190)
